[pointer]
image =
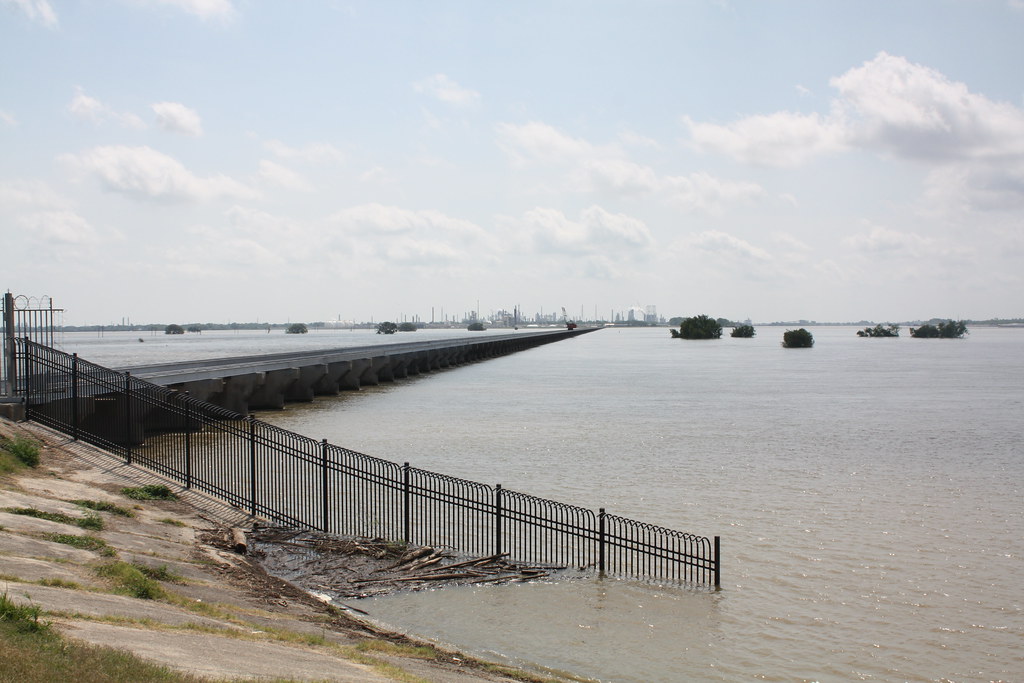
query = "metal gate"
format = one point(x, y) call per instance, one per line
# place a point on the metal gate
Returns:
point(34, 318)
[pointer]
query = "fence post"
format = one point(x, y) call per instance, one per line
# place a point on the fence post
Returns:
point(188, 444)
point(74, 397)
point(10, 360)
point(600, 540)
point(497, 519)
point(405, 504)
point(128, 415)
point(325, 523)
point(26, 361)
point(718, 563)
point(252, 465)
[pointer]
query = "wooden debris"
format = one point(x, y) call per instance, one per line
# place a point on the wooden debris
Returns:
point(359, 567)
point(238, 541)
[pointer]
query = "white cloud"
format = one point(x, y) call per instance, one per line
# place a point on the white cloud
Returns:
point(62, 227)
point(222, 10)
point(90, 109)
point(446, 90)
point(597, 231)
point(29, 193)
point(8, 118)
point(620, 177)
point(636, 140)
point(177, 118)
point(915, 112)
point(410, 251)
point(705, 192)
point(882, 242)
point(696, 191)
point(782, 139)
point(902, 110)
point(316, 152)
point(537, 141)
point(609, 229)
point(39, 11)
point(146, 173)
point(377, 174)
point(283, 176)
point(380, 219)
point(790, 242)
point(732, 247)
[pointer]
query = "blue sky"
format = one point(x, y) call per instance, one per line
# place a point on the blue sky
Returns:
point(216, 160)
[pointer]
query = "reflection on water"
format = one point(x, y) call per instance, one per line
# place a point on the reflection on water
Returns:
point(581, 622)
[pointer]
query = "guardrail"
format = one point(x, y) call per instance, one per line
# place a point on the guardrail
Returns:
point(298, 481)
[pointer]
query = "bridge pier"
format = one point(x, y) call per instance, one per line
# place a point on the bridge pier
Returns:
point(302, 388)
point(269, 381)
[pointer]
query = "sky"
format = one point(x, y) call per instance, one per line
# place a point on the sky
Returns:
point(235, 160)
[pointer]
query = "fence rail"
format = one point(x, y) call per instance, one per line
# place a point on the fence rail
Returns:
point(22, 316)
point(295, 480)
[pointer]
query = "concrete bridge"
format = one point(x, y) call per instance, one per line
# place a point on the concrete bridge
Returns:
point(269, 381)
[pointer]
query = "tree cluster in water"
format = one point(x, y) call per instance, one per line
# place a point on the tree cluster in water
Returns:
point(946, 329)
point(890, 330)
point(797, 339)
point(698, 327)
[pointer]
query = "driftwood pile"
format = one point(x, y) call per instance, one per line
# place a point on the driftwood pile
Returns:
point(363, 567)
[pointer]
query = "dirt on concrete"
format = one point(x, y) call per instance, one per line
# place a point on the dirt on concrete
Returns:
point(222, 615)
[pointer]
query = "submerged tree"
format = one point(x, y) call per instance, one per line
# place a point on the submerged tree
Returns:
point(797, 339)
point(890, 330)
point(946, 329)
point(387, 327)
point(698, 327)
point(475, 327)
point(744, 331)
point(296, 328)
point(174, 329)
point(406, 327)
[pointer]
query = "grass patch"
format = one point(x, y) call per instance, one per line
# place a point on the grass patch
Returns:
point(104, 506)
point(59, 583)
point(85, 542)
point(130, 580)
point(159, 573)
point(8, 463)
point(21, 618)
point(24, 451)
point(149, 492)
point(40, 655)
point(172, 522)
point(89, 522)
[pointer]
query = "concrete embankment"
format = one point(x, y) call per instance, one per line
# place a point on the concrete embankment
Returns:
point(218, 615)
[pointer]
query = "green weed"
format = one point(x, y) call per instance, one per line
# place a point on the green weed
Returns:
point(130, 579)
point(149, 492)
point(89, 522)
point(23, 618)
point(104, 506)
point(159, 573)
point(82, 542)
point(25, 451)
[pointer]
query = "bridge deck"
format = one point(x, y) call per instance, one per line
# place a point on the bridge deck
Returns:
point(268, 381)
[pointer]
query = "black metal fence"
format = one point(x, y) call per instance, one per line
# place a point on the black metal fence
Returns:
point(294, 480)
point(23, 316)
